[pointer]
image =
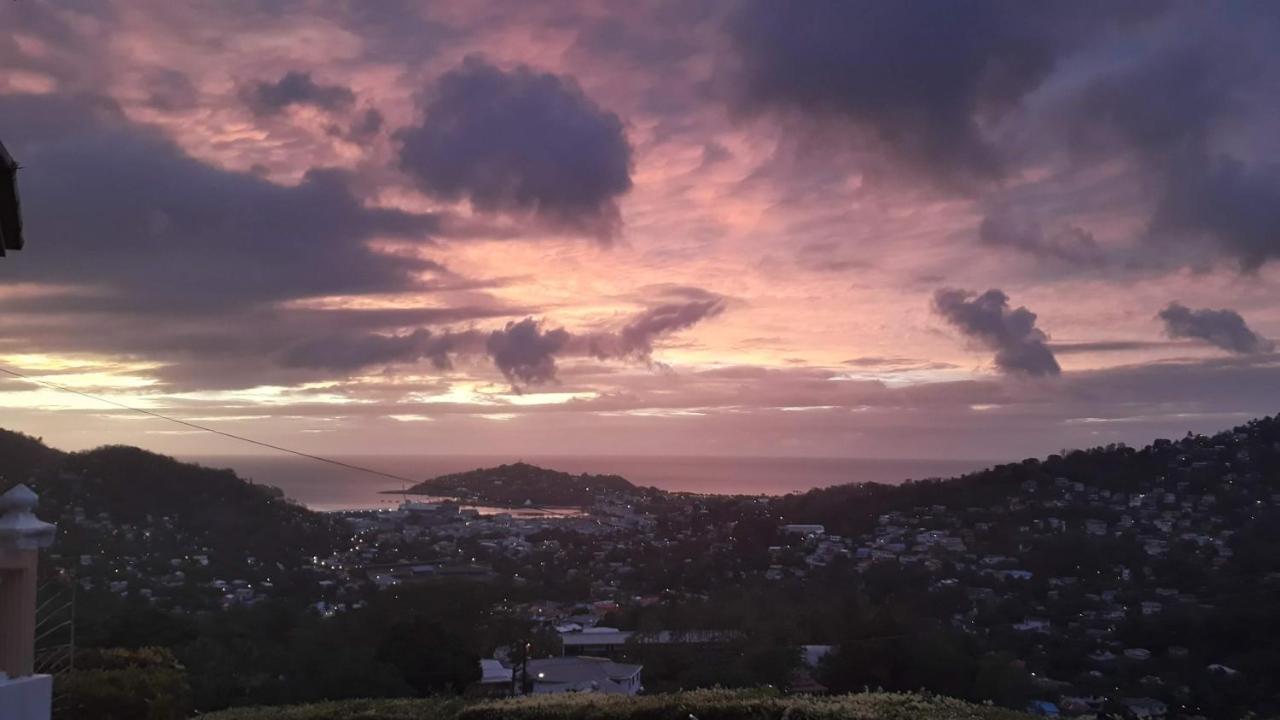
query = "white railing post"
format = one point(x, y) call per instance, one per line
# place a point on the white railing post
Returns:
point(22, 535)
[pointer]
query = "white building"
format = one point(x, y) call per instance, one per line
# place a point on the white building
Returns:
point(584, 674)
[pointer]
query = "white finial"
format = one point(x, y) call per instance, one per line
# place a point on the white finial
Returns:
point(19, 527)
point(19, 497)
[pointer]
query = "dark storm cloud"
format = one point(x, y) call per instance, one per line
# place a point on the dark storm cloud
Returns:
point(1171, 112)
point(366, 126)
point(521, 142)
point(297, 88)
point(156, 255)
point(932, 82)
point(636, 338)
point(1158, 106)
point(921, 77)
point(247, 346)
point(1220, 328)
point(525, 353)
point(126, 212)
point(353, 353)
point(1221, 199)
point(1066, 243)
point(1019, 345)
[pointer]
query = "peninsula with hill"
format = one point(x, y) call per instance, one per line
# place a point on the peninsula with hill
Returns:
point(521, 484)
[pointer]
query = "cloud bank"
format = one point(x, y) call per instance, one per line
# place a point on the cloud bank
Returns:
point(521, 142)
point(921, 79)
point(1019, 345)
point(1225, 329)
point(297, 88)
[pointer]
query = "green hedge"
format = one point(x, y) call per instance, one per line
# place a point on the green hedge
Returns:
point(123, 684)
point(699, 704)
point(734, 705)
point(386, 709)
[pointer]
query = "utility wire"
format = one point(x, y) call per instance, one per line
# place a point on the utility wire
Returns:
point(205, 428)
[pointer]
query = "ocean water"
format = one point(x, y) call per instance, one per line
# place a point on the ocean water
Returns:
point(320, 486)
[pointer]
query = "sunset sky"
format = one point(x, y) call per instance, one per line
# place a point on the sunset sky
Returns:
point(892, 229)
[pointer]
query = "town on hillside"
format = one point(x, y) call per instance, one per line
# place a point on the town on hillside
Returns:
point(1115, 581)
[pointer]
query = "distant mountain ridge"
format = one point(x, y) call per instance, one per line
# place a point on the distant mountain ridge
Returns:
point(521, 483)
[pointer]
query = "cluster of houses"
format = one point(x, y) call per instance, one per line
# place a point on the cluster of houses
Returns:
point(588, 660)
point(1193, 511)
point(559, 675)
point(157, 561)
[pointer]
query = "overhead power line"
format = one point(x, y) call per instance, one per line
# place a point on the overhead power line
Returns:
point(206, 428)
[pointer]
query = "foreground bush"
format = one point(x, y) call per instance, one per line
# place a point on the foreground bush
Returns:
point(735, 705)
point(699, 704)
point(124, 684)
point(391, 709)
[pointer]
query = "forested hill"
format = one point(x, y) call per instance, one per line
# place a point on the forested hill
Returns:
point(1250, 451)
point(22, 456)
point(521, 483)
point(127, 507)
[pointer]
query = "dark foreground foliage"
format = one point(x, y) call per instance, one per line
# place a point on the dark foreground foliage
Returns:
point(700, 704)
point(119, 684)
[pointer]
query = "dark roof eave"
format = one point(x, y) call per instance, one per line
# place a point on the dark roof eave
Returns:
point(10, 208)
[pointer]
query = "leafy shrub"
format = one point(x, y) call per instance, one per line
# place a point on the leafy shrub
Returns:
point(124, 684)
point(397, 709)
point(122, 658)
point(700, 704)
point(734, 705)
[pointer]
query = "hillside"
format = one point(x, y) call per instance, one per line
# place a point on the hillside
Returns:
point(1251, 451)
point(524, 484)
point(1130, 574)
point(152, 527)
point(700, 704)
point(22, 456)
point(1104, 579)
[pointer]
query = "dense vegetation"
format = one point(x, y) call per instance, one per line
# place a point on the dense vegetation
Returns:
point(111, 502)
point(701, 704)
point(414, 642)
point(119, 684)
point(125, 515)
point(363, 709)
point(903, 630)
point(524, 484)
